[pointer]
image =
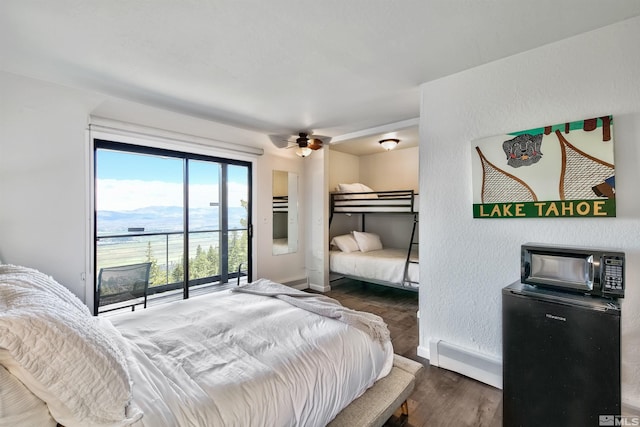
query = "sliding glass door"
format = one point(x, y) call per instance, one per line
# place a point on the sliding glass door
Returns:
point(187, 216)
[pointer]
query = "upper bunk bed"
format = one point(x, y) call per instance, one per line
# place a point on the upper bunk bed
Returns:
point(280, 204)
point(360, 199)
point(361, 255)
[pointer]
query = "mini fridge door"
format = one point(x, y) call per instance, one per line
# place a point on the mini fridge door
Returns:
point(561, 358)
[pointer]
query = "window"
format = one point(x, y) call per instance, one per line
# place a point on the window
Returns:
point(187, 215)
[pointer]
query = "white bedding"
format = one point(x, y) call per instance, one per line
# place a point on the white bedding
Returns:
point(280, 246)
point(231, 359)
point(386, 265)
point(222, 359)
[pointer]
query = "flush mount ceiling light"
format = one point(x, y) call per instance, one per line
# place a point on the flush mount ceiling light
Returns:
point(389, 144)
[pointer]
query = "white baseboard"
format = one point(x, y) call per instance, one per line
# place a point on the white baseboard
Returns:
point(630, 408)
point(472, 364)
point(424, 353)
point(319, 288)
point(297, 283)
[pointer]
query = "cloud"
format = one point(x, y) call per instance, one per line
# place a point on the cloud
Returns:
point(125, 195)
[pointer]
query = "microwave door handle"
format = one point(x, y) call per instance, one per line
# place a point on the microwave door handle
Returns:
point(592, 271)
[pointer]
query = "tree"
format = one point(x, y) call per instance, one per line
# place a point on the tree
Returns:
point(156, 275)
point(239, 243)
point(177, 274)
point(207, 264)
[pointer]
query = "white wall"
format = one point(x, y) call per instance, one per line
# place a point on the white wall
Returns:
point(285, 268)
point(343, 168)
point(465, 262)
point(44, 219)
point(316, 202)
point(391, 170)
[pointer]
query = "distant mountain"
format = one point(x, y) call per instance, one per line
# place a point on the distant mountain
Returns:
point(156, 219)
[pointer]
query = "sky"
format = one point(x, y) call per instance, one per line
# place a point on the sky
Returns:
point(127, 181)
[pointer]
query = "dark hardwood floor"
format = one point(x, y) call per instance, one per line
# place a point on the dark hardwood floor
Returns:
point(441, 397)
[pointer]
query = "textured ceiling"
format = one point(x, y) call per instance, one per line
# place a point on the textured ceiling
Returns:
point(280, 66)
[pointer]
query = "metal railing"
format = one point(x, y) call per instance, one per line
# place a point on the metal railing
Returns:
point(165, 250)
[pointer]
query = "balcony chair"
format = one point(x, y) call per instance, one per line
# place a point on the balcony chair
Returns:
point(123, 283)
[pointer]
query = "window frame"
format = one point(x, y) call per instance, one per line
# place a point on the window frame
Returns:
point(112, 142)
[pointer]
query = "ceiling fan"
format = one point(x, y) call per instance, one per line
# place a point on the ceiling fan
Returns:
point(305, 142)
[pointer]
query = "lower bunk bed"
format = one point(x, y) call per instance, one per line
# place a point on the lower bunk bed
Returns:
point(383, 267)
point(361, 256)
point(261, 354)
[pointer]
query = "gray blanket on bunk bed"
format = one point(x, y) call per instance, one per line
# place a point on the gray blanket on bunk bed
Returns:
point(321, 305)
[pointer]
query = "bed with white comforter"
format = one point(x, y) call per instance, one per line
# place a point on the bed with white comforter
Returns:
point(224, 359)
point(361, 256)
point(378, 266)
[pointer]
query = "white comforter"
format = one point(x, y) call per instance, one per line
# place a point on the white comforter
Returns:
point(231, 359)
point(385, 265)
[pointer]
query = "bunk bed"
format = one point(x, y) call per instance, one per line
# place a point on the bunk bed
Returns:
point(280, 204)
point(280, 209)
point(360, 255)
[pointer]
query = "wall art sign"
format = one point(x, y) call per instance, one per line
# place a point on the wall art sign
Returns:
point(564, 170)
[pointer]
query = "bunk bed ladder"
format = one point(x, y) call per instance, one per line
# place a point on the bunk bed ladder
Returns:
point(409, 261)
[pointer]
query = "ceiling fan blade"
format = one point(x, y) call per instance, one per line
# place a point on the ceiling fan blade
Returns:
point(324, 139)
point(314, 143)
point(281, 141)
point(302, 139)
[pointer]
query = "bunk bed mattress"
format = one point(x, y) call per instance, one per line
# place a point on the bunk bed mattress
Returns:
point(375, 205)
point(386, 265)
point(246, 360)
point(280, 246)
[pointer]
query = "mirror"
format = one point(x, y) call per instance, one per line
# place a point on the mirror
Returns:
point(285, 212)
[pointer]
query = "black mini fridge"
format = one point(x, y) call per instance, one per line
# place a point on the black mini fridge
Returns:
point(561, 358)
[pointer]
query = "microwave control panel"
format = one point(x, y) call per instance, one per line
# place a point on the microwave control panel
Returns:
point(612, 270)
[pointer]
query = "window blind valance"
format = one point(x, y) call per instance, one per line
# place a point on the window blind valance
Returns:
point(100, 127)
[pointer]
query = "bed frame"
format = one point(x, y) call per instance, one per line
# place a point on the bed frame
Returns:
point(379, 202)
point(379, 402)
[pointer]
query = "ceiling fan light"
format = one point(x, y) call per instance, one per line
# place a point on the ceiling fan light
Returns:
point(389, 144)
point(303, 151)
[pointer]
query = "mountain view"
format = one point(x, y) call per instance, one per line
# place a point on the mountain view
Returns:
point(161, 219)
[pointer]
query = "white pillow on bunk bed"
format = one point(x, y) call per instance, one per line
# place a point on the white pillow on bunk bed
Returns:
point(367, 241)
point(346, 243)
point(356, 188)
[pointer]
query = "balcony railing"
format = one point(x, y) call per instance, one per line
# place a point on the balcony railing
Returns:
point(165, 250)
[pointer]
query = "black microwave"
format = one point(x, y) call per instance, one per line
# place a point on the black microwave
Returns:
point(597, 272)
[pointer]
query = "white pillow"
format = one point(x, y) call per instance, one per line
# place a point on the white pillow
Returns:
point(346, 243)
point(355, 188)
point(20, 407)
point(30, 279)
point(88, 381)
point(367, 241)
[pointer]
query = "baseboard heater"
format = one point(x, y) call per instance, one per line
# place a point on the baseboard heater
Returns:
point(472, 364)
